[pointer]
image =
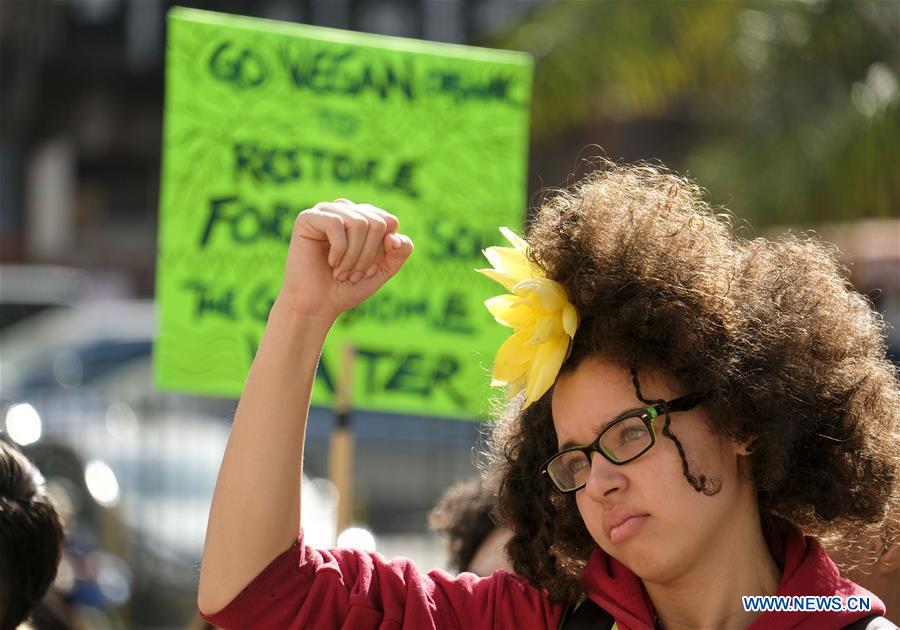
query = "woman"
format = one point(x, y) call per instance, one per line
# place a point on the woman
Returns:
point(690, 400)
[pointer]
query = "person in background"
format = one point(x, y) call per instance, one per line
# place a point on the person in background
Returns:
point(31, 538)
point(464, 516)
point(872, 560)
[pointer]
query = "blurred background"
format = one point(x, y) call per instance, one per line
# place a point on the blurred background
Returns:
point(787, 112)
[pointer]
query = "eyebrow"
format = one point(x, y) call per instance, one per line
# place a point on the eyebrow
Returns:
point(571, 443)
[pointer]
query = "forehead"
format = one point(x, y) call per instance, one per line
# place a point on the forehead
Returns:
point(596, 392)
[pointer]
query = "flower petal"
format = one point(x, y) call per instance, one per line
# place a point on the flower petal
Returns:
point(546, 329)
point(505, 373)
point(514, 351)
point(544, 368)
point(505, 279)
point(500, 305)
point(570, 319)
point(509, 261)
point(517, 241)
point(552, 294)
point(509, 310)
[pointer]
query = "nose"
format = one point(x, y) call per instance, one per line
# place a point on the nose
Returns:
point(605, 478)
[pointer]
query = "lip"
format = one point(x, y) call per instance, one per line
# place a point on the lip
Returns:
point(622, 523)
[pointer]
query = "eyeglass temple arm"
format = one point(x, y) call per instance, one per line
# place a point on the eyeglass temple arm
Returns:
point(684, 403)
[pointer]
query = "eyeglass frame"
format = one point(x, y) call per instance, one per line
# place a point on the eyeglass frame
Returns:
point(646, 414)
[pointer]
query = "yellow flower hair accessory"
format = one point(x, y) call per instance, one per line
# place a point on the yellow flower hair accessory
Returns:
point(539, 312)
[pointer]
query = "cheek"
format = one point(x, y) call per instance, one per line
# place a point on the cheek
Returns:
point(708, 460)
point(685, 519)
point(651, 484)
point(707, 454)
point(657, 483)
point(591, 514)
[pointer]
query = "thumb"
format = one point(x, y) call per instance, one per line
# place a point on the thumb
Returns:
point(397, 248)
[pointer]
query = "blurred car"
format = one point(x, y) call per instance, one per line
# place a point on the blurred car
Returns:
point(80, 379)
point(77, 367)
point(138, 495)
point(39, 352)
point(26, 290)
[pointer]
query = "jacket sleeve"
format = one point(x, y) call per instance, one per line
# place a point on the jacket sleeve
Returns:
point(347, 588)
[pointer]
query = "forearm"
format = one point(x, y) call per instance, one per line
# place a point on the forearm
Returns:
point(255, 512)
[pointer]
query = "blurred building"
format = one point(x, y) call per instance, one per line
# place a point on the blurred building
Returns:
point(81, 104)
point(871, 251)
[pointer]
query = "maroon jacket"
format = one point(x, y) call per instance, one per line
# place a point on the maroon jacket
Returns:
point(350, 589)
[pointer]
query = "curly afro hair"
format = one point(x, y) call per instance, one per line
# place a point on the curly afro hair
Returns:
point(794, 359)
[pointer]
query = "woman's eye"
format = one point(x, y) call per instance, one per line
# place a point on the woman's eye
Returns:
point(576, 464)
point(629, 434)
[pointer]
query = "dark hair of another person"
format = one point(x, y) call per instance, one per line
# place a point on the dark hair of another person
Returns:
point(31, 538)
point(463, 516)
point(794, 359)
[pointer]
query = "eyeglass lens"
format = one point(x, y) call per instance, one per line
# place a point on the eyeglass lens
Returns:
point(622, 441)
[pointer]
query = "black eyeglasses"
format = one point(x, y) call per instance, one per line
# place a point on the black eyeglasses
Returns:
point(627, 437)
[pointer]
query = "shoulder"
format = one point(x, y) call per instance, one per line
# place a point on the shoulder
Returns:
point(307, 587)
point(502, 599)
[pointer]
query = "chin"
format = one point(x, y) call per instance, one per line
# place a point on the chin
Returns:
point(648, 565)
point(648, 561)
point(645, 564)
point(660, 565)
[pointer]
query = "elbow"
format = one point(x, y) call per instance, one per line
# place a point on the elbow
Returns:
point(209, 601)
point(203, 604)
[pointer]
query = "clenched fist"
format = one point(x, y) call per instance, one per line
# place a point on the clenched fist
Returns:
point(340, 254)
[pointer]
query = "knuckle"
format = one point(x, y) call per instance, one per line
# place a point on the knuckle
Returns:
point(304, 218)
point(357, 224)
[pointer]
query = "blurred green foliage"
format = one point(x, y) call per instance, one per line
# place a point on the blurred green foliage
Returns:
point(790, 109)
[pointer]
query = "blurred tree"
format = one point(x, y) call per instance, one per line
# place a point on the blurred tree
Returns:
point(788, 112)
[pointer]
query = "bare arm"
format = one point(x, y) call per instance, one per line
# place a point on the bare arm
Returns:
point(255, 512)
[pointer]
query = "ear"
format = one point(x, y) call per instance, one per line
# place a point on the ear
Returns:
point(889, 559)
point(745, 447)
point(742, 451)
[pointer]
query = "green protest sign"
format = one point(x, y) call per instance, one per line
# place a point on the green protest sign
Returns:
point(264, 119)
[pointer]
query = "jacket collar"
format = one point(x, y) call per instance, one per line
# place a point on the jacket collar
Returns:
point(807, 570)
